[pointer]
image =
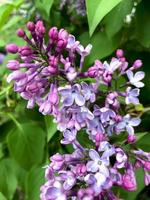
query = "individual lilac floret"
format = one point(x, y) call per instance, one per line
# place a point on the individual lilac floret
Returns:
point(71, 94)
point(135, 79)
point(132, 96)
point(98, 163)
point(128, 123)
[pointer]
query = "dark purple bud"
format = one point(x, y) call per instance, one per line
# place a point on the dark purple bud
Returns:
point(53, 33)
point(61, 44)
point(39, 29)
point(119, 53)
point(31, 26)
point(13, 64)
point(20, 33)
point(12, 48)
point(92, 72)
point(25, 51)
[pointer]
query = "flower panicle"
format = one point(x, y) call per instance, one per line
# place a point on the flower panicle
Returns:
point(47, 73)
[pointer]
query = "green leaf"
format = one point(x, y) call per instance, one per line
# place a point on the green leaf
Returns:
point(114, 21)
point(27, 144)
point(2, 197)
point(44, 7)
point(143, 143)
point(142, 30)
point(140, 135)
point(35, 179)
point(8, 181)
point(51, 127)
point(11, 22)
point(5, 11)
point(97, 9)
point(102, 45)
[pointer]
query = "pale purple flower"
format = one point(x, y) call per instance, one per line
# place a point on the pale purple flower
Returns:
point(84, 51)
point(105, 114)
point(88, 92)
point(72, 94)
point(135, 79)
point(72, 43)
point(114, 64)
point(128, 123)
point(57, 162)
point(132, 96)
point(69, 136)
point(69, 179)
point(121, 158)
point(97, 163)
point(53, 192)
point(96, 181)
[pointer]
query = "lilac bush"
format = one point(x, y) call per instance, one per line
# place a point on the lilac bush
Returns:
point(52, 75)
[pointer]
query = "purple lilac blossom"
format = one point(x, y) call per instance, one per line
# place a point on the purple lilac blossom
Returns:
point(46, 74)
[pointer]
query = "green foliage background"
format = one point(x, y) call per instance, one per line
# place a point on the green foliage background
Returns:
point(27, 138)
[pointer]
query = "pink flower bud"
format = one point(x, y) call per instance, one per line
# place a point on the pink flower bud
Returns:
point(61, 44)
point(129, 182)
point(53, 33)
point(31, 26)
point(147, 165)
point(13, 64)
point(20, 33)
point(119, 53)
point(39, 28)
point(25, 51)
point(16, 75)
point(63, 35)
point(80, 169)
point(52, 70)
point(131, 138)
point(137, 64)
point(12, 48)
point(54, 98)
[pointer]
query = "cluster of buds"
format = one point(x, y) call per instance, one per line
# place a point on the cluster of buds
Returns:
point(50, 74)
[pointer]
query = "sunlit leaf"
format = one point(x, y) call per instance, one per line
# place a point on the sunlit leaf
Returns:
point(97, 9)
point(26, 144)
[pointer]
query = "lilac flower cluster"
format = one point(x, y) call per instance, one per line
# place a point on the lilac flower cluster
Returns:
point(93, 101)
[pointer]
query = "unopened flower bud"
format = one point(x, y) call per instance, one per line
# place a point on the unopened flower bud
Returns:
point(25, 51)
point(20, 33)
point(12, 48)
point(39, 29)
point(13, 64)
point(137, 64)
point(31, 26)
point(147, 165)
point(129, 182)
point(119, 53)
point(53, 33)
point(63, 35)
point(131, 138)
